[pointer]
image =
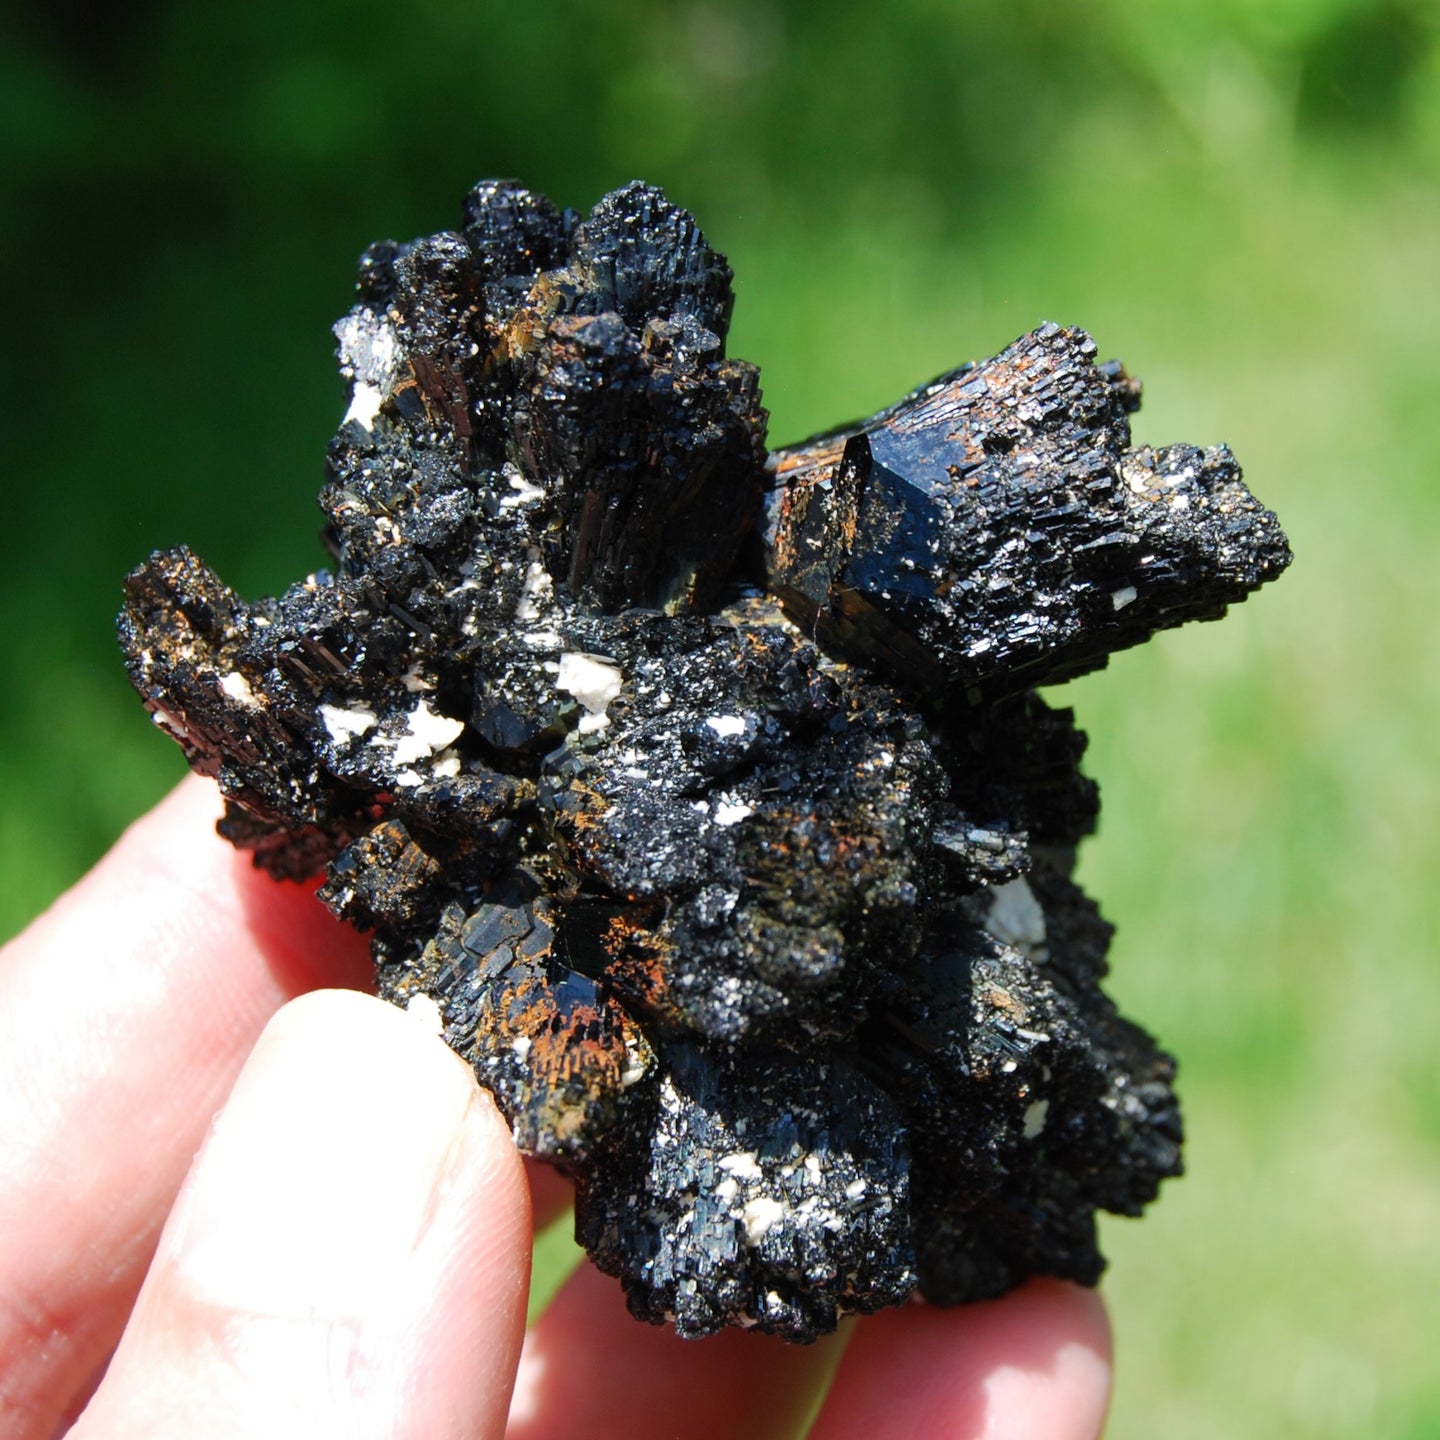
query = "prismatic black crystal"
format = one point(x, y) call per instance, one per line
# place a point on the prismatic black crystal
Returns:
point(705, 793)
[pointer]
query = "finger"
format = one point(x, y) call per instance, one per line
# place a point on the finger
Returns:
point(1032, 1366)
point(349, 1255)
point(125, 1013)
point(589, 1369)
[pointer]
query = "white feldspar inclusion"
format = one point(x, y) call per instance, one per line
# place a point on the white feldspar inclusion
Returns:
point(526, 492)
point(426, 732)
point(365, 402)
point(726, 725)
point(742, 1164)
point(1124, 596)
point(594, 681)
point(637, 1064)
point(1142, 480)
point(534, 594)
point(369, 355)
point(173, 723)
point(729, 813)
point(237, 687)
point(1034, 1119)
point(1015, 918)
point(347, 723)
point(759, 1215)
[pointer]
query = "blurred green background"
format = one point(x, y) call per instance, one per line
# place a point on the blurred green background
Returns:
point(1238, 197)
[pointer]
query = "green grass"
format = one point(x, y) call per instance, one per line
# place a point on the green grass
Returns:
point(1241, 201)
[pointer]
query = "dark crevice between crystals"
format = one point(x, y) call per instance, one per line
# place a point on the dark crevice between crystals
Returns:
point(703, 793)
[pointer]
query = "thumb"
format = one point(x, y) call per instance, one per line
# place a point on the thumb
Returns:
point(349, 1256)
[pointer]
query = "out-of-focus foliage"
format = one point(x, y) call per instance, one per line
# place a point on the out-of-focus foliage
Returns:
point(1237, 196)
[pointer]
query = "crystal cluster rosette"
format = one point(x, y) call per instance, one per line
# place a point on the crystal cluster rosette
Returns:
point(701, 794)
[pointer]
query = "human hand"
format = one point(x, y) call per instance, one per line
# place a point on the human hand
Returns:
point(348, 1254)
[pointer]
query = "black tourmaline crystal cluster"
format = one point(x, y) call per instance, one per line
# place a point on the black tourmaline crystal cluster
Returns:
point(702, 794)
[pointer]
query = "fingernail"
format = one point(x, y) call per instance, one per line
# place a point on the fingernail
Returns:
point(314, 1186)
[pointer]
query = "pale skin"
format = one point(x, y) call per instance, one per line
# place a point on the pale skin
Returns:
point(240, 1198)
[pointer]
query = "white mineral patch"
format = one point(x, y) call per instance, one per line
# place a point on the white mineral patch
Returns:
point(346, 723)
point(1140, 478)
point(727, 1190)
point(237, 687)
point(369, 351)
point(173, 723)
point(534, 594)
point(742, 1165)
point(427, 1012)
point(637, 1064)
point(447, 765)
point(520, 1047)
point(425, 733)
point(1145, 481)
point(726, 726)
point(1123, 597)
point(1035, 1114)
point(1015, 918)
point(855, 1189)
point(365, 403)
point(369, 346)
point(415, 682)
point(526, 492)
point(594, 681)
point(727, 813)
point(759, 1215)
point(408, 779)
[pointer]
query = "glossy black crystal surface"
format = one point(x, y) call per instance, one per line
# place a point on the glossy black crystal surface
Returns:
point(704, 793)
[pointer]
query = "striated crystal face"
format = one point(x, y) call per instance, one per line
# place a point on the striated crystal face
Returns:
point(706, 791)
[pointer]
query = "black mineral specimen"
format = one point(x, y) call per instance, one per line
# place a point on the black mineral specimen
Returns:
point(705, 793)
